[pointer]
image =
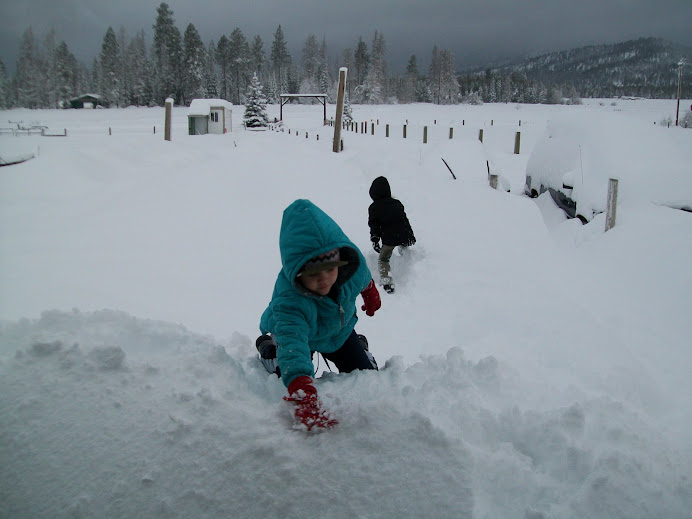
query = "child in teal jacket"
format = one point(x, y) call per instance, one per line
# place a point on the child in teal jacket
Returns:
point(313, 306)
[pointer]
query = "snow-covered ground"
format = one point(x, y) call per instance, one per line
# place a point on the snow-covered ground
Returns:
point(533, 367)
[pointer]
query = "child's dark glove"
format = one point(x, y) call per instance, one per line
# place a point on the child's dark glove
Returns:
point(376, 243)
point(371, 298)
point(309, 410)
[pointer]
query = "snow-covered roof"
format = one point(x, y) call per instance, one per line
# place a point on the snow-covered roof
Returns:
point(302, 95)
point(86, 96)
point(203, 106)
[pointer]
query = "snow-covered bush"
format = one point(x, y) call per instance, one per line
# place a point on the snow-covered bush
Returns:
point(686, 121)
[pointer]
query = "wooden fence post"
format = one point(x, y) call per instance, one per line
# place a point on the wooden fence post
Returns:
point(493, 181)
point(480, 135)
point(387, 130)
point(167, 127)
point(404, 131)
point(517, 143)
point(339, 110)
point(611, 208)
point(451, 133)
point(425, 134)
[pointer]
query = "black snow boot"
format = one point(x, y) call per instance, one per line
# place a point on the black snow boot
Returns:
point(266, 346)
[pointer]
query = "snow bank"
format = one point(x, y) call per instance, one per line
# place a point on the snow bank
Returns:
point(652, 163)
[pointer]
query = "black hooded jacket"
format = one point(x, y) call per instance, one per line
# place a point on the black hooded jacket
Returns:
point(386, 216)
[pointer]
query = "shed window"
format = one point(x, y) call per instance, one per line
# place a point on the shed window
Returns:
point(215, 117)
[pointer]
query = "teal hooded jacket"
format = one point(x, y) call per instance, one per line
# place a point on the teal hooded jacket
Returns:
point(302, 321)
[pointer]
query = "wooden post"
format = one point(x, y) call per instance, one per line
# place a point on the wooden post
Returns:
point(404, 131)
point(109, 130)
point(167, 126)
point(387, 130)
point(493, 181)
point(517, 143)
point(480, 135)
point(451, 133)
point(372, 129)
point(425, 134)
point(612, 204)
point(339, 111)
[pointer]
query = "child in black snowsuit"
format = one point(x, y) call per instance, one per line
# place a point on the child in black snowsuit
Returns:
point(388, 222)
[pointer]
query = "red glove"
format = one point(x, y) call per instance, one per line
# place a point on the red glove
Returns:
point(371, 298)
point(309, 410)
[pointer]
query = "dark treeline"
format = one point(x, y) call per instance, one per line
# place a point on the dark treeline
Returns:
point(129, 71)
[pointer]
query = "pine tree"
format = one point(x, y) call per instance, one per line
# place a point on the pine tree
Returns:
point(361, 60)
point(449, 91)
point(211, 90)
point(372, 89)
point(348, 111)
point(311, 58)
point(124, 72)
point(407, 93)
point(49, 85)
point(239, 63)
point(108, 68)
point(167, 52)
point(67, 74)
point(256, 106)
point(5, 101)
point(257, 57)
point(29, 72)
point(194, 63)
point(310, 66)
point(222, 59)
point(281, 61)
point(140, 70)
point(324, 80)
point(423, 92)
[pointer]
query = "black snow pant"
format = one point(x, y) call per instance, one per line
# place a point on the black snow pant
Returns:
point(351, 356)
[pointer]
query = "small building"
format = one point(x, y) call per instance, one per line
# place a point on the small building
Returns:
point(209, 116)
point(85, 101)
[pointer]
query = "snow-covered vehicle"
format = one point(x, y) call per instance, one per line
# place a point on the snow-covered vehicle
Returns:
point(580, 152)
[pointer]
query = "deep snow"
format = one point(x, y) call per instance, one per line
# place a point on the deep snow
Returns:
point(534, 367)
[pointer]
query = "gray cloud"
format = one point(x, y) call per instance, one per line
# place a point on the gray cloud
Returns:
point(474, 30)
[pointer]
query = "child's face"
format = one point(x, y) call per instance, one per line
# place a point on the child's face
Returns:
point(320, 282)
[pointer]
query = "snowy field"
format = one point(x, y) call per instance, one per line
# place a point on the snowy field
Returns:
point(534, 367)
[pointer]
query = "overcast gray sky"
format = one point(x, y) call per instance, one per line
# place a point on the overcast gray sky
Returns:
point(475, 31)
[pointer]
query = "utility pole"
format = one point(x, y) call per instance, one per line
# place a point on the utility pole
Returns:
point(680, 65)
